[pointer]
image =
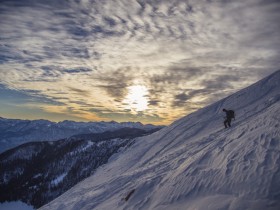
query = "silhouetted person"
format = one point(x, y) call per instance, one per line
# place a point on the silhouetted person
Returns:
point(229, 117)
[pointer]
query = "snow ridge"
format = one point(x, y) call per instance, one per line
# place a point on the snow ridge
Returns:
point(195, 163)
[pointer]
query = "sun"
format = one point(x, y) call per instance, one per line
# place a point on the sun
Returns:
point(136, 98)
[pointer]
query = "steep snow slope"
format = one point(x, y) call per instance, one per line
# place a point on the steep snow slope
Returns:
point(195, 163)
point(38, 172)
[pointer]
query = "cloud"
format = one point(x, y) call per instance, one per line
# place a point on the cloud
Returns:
point(180, 99)
point(116, 82)
point(186, 53)
point(84, 93)
point(21, 97)
point(153, 102)
point(77, 70)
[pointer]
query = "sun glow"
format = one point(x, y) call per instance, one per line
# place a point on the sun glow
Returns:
point(136, 98)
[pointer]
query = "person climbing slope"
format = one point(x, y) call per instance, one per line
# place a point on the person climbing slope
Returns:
point(229, 116)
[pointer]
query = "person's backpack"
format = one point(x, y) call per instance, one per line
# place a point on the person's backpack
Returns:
point(231, 113)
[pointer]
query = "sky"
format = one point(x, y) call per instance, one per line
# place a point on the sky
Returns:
point(152, 61)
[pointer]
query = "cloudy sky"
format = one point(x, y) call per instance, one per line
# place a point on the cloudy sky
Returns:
point(151, 61)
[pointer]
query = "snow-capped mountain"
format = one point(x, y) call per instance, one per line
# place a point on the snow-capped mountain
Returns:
point(195, 163)
point(38, 172)
point(15, 132)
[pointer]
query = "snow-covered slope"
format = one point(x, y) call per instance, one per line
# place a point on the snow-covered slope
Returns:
point(195, 163)
point(38, 172)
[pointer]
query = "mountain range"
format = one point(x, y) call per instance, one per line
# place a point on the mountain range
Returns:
point(14, 132)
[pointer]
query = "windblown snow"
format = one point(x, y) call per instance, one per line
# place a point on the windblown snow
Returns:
point(195, 163)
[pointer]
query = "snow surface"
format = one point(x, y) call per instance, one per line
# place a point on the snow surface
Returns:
point(58, 179)
point(15, 205)
point(195, 163)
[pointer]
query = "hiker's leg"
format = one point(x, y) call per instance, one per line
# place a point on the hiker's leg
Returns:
point(225, 123)
point(229, 122)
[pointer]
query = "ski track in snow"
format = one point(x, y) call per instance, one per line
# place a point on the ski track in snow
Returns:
point(195, 163)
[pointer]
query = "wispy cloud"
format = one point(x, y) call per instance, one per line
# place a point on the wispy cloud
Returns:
point(86, 54)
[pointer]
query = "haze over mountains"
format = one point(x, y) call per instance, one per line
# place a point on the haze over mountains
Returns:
point(195, 163)
point(14, 132)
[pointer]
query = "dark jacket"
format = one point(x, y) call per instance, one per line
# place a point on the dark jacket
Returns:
point(230, 114)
